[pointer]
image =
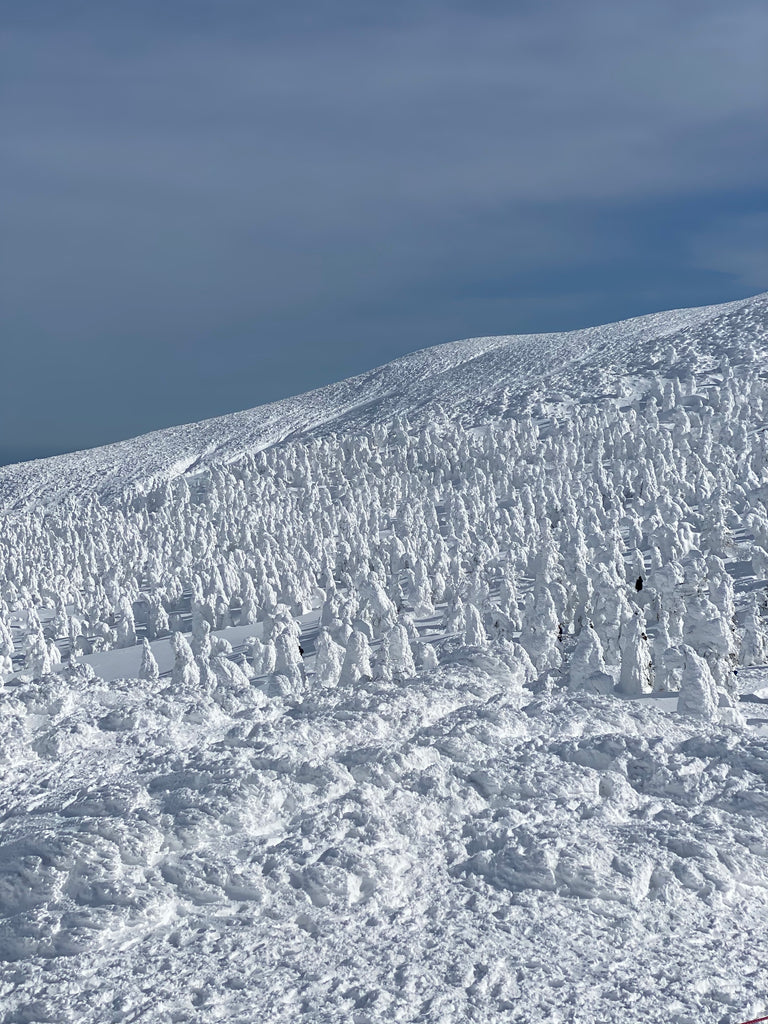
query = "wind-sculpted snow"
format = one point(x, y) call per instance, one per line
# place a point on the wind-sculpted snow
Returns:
point(440, 694)
point(450, 848)
point(470, 379)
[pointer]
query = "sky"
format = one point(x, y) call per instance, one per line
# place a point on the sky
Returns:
point(211, 204)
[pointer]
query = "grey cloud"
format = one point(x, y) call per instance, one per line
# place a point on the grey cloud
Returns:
point(194, 183)
point(737, 247)
point(588, 100)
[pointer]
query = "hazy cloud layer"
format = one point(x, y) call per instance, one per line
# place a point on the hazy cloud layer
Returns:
point(214, 204)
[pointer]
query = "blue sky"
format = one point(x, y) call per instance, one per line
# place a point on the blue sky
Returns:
point(210, 205)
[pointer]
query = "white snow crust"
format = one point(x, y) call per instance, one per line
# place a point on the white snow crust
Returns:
point(436, 695)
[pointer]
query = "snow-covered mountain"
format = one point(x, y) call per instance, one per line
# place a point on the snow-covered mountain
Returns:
point(438, 694)
point(471, 380)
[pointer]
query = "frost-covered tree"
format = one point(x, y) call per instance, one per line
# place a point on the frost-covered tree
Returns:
point(375, 608)
point(429, 660)
point(636, 670)
point(54, 656)
point(186, 674)
point(474, 631)
point(125, 627)
point(667, 660)
point(149, 670)
point(288, 660)
point(249, 605)
point(754, 640)
point(37, 662)
point(329, 658)
point(707, 632)
point(157, 618)
point(587, 669)
point(399, 660)
point(357, 660)
point(228, 674)
point(262, 656)
point(540, 635)
point(698, 693)
point(6, 650)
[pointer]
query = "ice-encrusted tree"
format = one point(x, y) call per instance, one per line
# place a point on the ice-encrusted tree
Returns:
point(698, 692)
point(54, 655)
point(587, 670)
point(636, 670)
point(707, 632)
point(508, 600)
point(754, 639)
point(125, 626)
point(185, 674)
point(428, 657)
point(6, 650)
point(157, 618)
point(611, 613)
point(329, 657)
point(399, 655)
point(541, 631)
point(288, 660)
point(474, 630)
point(357, 660)
point(201, 643)
point(148, 670)
point(249, 605)
point(228, 674)
point(262, 656)
point(37, 662)
point(666, 660)
point(454, 619)
point(375, 608)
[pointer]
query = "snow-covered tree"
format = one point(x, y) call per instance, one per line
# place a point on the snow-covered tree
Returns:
point(329, 658)
point(636, 671)
point(357, 660)
point(698, 693)
point(400, 663)
point(288, 660)
point(754, 640)
point(125, 627)
point(149, 670)
point(37, 662)
point(186, 674)
point(474, 631)
point(587, 669)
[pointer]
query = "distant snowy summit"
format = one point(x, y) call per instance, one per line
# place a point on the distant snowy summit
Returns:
point(475, 380)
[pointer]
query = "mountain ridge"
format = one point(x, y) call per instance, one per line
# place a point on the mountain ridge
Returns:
point(465, 374)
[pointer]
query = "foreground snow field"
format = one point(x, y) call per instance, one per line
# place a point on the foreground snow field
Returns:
point(437, 695)
point(454, 848)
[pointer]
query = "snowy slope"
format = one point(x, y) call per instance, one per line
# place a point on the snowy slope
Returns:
point(471, 379)
point(439, 694)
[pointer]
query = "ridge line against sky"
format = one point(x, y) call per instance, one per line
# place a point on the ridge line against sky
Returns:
point(219, 205)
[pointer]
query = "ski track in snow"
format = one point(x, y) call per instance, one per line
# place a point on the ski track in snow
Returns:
point(474, 843)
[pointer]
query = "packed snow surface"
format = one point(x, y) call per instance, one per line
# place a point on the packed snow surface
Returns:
point(439, 694)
